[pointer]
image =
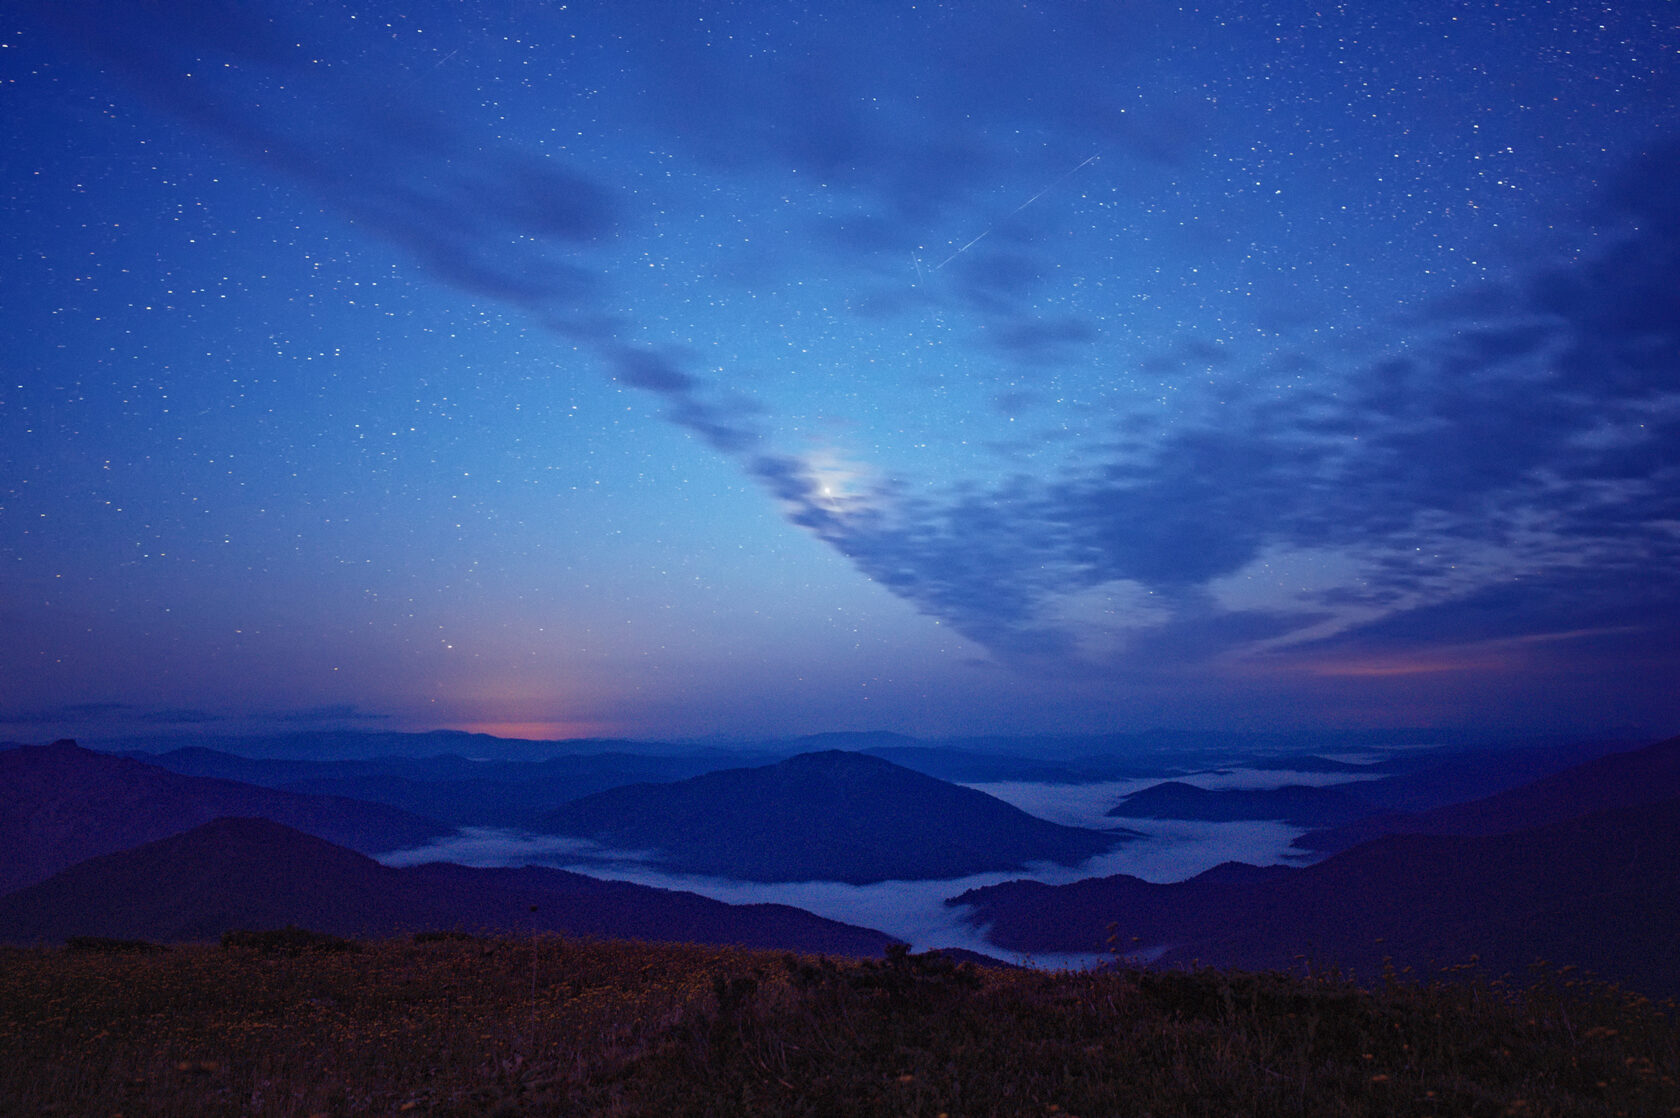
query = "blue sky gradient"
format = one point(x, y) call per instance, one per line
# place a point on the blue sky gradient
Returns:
point(692, 370)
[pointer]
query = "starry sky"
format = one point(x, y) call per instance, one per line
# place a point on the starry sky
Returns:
point(701, 370)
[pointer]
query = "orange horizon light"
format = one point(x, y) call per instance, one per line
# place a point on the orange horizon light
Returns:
point(536, 731)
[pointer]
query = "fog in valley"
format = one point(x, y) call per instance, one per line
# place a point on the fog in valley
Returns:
point(915, 911)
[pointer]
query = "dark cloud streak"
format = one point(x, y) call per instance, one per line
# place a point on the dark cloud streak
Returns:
point(494, 220)
point(1494, 422)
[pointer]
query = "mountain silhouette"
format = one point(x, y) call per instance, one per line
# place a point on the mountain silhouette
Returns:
point(447, 787)
point(1624, 779)
point(1600, 891)
point(61, 804)
point(1301, 805)
point(827, 816)
point(1424, 779)
point(258, 874)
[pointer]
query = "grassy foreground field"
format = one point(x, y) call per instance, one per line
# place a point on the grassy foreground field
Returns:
point(456, 1026)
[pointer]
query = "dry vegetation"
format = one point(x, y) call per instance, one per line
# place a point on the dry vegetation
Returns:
point(303, 1025)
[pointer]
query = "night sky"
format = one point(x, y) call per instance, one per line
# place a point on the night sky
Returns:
point(689, 369)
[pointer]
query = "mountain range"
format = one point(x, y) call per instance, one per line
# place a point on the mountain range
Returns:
point(827, 816)
point(61, 804)
point(1578, 865)
point(96, 844)
point(448, 787)
point(496, 792)
point(1590, 879)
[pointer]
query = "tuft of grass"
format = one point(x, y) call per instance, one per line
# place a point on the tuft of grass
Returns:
point(450, 1025)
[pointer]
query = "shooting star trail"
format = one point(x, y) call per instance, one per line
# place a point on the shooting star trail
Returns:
point(1090, 159)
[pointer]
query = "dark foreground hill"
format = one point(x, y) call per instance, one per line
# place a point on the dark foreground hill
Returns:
point(61, 804)
point(831, 816)
point(254, 873)
point(546, 1026)
point(1601, 892)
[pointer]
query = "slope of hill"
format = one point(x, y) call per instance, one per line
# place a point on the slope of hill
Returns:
point(1301, 805)
point(966, 766)
point(255, 873)
point(1601, 892)
point(61, 804)
point(1622, 779)
point(831, 816)
point(583, 905)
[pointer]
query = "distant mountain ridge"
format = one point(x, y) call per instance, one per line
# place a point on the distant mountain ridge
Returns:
point(61, 804)
point(1451, 775)
point(338, 745)
point(1632, 777)
point(258, 874)
point(828, 816)
point(447, 787)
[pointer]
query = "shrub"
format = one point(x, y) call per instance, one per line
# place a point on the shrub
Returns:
point(101, 945)
point(446, 937)
point(290, 940)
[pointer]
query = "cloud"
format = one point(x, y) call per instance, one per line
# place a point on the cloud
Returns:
point(66, 714)
point(1044, 341)
point(181, 717)
point(493, 846)
point(725, 426)
point(492, 218)
point(1511, 473)
point(866, 121)
point(327, 714)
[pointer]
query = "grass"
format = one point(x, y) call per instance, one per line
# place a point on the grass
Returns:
point(450, 1025)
